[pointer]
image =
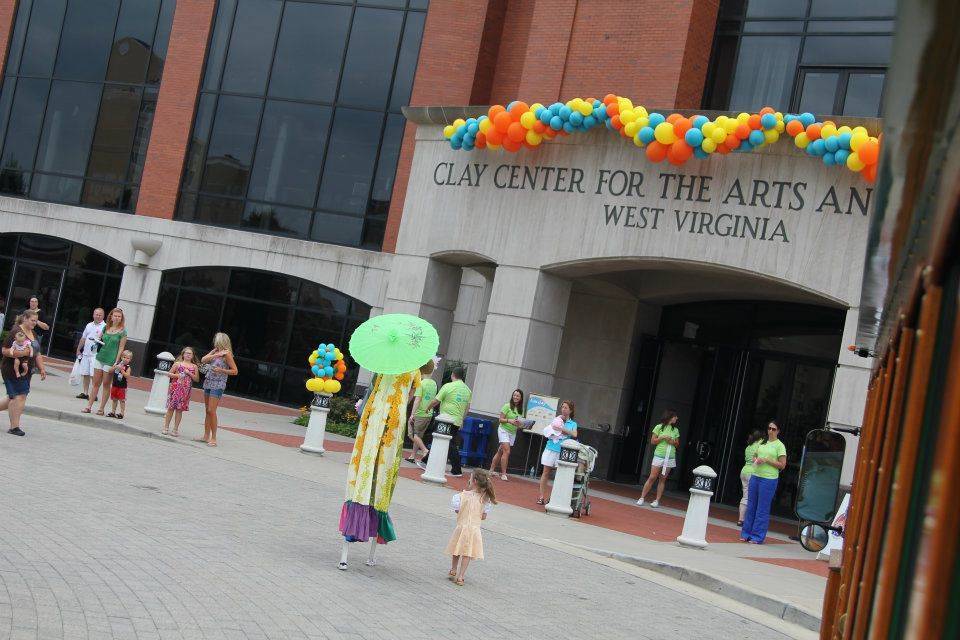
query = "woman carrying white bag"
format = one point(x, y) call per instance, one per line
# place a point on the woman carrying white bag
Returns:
point(666, 436)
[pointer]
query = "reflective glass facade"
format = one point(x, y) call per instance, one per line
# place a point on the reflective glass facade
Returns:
point(78, 98)
point(298, 125)
point(273, 320)
point(821, 56)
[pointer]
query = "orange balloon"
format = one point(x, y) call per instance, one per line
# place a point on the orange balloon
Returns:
point(609, 99)
point(613, 109)
point(518, 109)
point(679, 152)
point(869, 152)
point(813, 131)
point(338, 376)
point(767, 110)
point(516, 132)
point(502, 121)
point(481, 141)
point(794, 127)
point(723, 149)
point(742, 131)
point(494, 110)
point(754, 121)
point(539, 127)
point(681, 125)
point(869, 172)
point(673, 117)
point(511, 145)
point(656, 152)
point(494, 136)
point(615, 121)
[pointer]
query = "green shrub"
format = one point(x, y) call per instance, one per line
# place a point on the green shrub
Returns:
point(343, 411)
point(348, 430)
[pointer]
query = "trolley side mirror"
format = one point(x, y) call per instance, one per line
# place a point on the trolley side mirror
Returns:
point(814, 537)
point(818, 489)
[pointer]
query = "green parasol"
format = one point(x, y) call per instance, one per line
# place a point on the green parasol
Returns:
point(394, 343)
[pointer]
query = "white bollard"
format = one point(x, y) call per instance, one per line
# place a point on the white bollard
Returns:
point(562, 493)
point(317, 426)
point(157, 403)
point(437, 462)
point(698, 509)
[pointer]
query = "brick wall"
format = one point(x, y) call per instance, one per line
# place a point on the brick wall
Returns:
point(8, 11)
point(173, 121)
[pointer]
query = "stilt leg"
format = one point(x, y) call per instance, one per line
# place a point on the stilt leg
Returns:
point(371, 559)
point(344, 551)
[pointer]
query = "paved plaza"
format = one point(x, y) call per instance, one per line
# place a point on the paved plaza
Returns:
point(111, 535)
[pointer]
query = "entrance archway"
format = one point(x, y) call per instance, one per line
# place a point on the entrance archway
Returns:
point(68, 278)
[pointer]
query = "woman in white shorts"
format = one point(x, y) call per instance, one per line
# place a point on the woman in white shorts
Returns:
point(510, 415)
point(666, 437)
point(560, 429)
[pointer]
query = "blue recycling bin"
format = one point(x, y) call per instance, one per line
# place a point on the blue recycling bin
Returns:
point(474, 435)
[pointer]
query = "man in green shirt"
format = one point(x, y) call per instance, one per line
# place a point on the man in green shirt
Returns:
point(454, 402)
point(422, 414)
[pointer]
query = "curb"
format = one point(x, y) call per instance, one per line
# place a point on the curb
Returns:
point(709, 582)
point(87, 420)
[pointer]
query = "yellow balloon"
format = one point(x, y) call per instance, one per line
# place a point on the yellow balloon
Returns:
point(771, 136)
point(448, 131)
point(719, 135)
point(801, 140)
point(627, 116)
point(707, 129)
point(780, 126)
point(857, 139)
point(828, 130)
point(708, 145)
point(527, 120)
point(845, 129)
point(315, 385)
point(331, 386)
point(642, 121)
point(585, 108)
point(534, 138)
point(664, 133)
point(312, 359)
point(743, 118)
point(637, 141)
point(485, 125)
point(631, 128)
point(458, 122)
point(535, 106)
point(730, 125)
point(624, 104)
point(642, 113)
point(779, 115)
point(854, 163)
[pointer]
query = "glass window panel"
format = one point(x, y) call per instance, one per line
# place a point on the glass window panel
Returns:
point(113, 138)
point(196, 320)
point(19, 36)
point(387, 165)
point(721, 71)
point(68, 127)
point(864, 91)
point(53, 251)
point(277, 219)
point(306, 66)
point(819, 93)
point(843, 50)
point(348, 169)
point(187, 206)
point(214, 279)
point(43, 36)
point(859, 26)
point(56, 188)
point(765, 70)
point(773, 26)
point(293, 391)
point(193, 168)
point(289, 153)
point(131, 50)
point(399, 4)
point(311, 330)
point(142, 135)
point(776, 8)
point(6, 102)
point(419, 4)
point(370, 56)
point(8, 247)
point(255, 29)
point(161, 41)
point(23, 132)
point(80, 293)
point(255, 379)
point(87, 39)
point(264, 286)
point(105, 195)
point(165, 312)
point(258, 331)
point(218, 44)
point(227, 167)
point(336, 229)
point(407, 64)
point(171, 278)
point(853, 9)
point(14, 182)
point(374, 229)
point(83, 257)
point(316, 297)
point(220, 211)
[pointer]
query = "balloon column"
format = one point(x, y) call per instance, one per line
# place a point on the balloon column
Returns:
point(674, 138)
point(327, 367)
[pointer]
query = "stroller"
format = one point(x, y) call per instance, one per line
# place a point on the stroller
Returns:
point(580, 499)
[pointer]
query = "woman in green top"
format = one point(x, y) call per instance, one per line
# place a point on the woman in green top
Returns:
point(510, 415)
point(666, 436)
point(770, 460)
point(112, 343)
point(421, 414)
point(753, 441)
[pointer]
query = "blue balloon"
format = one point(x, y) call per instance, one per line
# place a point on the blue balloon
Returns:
point(545, 115)
point(819, 147)
point(316, 370)
point(565, 112)
point(600, 113)
point(744, 146)
point(840, 157)
point(789, 118)
point(467, 145)
point(756, 137)
point(646, 135)
point(655, 119)
point(569, 128)
point(510, 105)
point(328, 371)
point(556, 123)
point(844, 141)
point(609, 124)
point(589, 122)
point(576, 119)
point(694, 137)
point(807, 119)
point(555, 107)
point(829, 159)
point(831, 143)
point(699, 121)
point(768, 121)
point(700, 153)
point(473, 128)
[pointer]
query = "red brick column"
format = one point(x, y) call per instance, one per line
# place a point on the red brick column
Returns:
point(8, 12)
point(176, 102)
point(696, 55)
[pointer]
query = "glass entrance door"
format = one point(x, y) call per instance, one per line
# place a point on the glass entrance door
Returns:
point(43, 282)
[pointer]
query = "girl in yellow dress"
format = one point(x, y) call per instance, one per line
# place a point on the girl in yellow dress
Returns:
point(471, 505)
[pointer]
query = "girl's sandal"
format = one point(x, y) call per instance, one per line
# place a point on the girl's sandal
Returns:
point(458, 582)
point(540, 501)
point(452, 576)
point(99, 412)
point(119, 416)
point(111, 415)
point(85, 410)
point(176, 433)
point(165, 432)
point(211, 444)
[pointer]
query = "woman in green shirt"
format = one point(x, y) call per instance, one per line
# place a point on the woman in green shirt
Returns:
point(770, 460)
point(753, 441)
point(666, 437)
point(112, 343)
point(510, 415)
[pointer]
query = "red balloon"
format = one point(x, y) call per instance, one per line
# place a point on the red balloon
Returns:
point(518, 108)
point(742, 131)
point(539, 127)
point(681, 150)
point(494, 110)
point(794, 127)
point(494, 136)
point(680, 126)
point(615, 122)
point(869, 173)
point(613, 109)
point(754, 121)
point(869, 152)
point(516, 132)
point(502, 121)
point(511, 145)
point(656, 152)
point(609, 99)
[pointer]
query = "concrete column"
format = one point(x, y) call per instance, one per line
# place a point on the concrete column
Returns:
point(470, 317)
point(139, 290)
point(426, 288)
point(849, 394)
point(521, 338)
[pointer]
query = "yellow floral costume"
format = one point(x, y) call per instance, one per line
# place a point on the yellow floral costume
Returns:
point(375, 463)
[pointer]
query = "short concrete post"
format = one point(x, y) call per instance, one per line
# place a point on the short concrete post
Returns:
point(437, 462)
point(317, 426)
point(562, 493)
point(698, 509)
point(157, 403)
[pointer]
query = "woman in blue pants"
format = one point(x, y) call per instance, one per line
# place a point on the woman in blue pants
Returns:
point(771, 458)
